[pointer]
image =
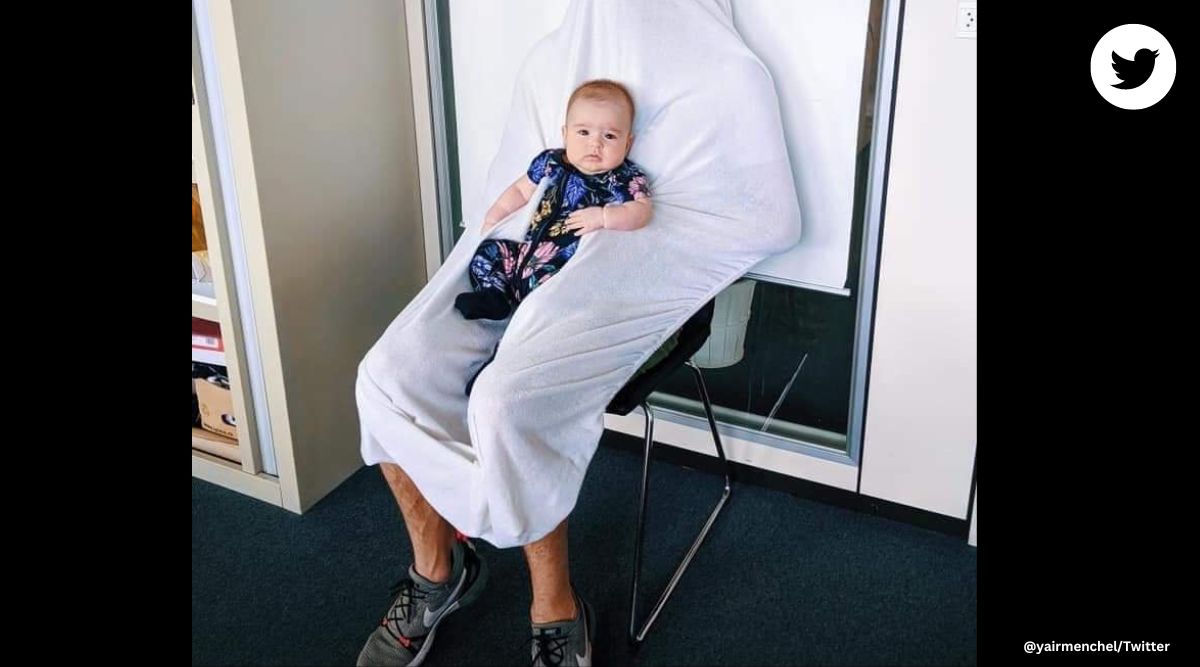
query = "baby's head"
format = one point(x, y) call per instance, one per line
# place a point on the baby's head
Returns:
point(599, 129)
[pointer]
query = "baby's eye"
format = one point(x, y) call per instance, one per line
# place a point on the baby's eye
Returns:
point(583, 133)
point(610, 136)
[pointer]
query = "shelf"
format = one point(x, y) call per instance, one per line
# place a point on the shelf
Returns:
point(204, 307)
point(216, 445)
point(209, 357)
point(226, 474)
point(205, 290)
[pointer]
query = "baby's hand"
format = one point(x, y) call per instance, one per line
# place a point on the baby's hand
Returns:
point(586, 220)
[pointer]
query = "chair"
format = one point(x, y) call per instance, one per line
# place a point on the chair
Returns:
point(690, 338)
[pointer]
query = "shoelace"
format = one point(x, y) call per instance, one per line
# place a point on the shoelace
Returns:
point(551, 649)
point(402, 610)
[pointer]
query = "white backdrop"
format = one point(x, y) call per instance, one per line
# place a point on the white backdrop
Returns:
point(813, 49)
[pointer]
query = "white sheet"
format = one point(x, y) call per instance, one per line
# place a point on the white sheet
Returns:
point(507, 464)
point(812, 48)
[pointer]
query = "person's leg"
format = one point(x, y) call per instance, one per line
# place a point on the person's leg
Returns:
point(550, 577)
point(446, 575)
point(563, 623)
point(432, 536)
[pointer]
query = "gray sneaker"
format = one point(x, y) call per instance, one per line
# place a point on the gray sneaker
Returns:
point(566, 643)
point(405, 634)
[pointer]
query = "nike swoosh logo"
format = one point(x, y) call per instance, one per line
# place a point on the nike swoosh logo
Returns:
point(431, 616)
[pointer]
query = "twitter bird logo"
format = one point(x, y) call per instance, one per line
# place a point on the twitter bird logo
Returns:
point(1133, 73)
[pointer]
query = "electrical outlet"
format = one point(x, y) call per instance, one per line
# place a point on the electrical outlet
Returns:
point(968, 17)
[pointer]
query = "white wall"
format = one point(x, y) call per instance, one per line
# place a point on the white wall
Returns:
point(920, 437)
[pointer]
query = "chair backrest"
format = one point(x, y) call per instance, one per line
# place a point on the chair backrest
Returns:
point(692, 336)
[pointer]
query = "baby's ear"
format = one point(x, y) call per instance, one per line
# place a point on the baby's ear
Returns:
point(630, 146)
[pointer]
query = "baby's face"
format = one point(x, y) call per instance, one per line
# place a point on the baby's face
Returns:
point(598, 135)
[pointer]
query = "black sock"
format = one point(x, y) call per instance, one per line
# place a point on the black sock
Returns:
point(488, 304)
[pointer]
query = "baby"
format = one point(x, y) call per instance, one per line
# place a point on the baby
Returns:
point(591, 186)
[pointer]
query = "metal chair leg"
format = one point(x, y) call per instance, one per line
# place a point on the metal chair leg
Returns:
point(637, 636)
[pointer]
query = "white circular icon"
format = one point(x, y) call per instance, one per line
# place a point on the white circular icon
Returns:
point(1133, 66)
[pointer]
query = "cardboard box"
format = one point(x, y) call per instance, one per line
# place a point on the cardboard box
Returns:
point(216, 408)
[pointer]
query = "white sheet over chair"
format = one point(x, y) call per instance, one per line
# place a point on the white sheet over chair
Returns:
point(507, 464)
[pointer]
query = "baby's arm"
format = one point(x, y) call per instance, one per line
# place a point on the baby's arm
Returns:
point(513, 198)
point(625, 217)
point(628, 216)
